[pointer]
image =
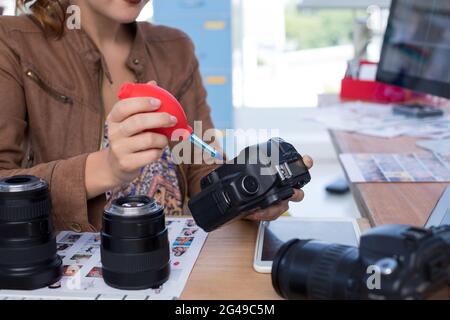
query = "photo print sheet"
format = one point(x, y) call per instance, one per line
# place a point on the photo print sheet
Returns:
point(82, 273)
point(412, 167)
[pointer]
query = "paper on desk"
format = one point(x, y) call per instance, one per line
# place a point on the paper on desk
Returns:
point(434, 128)
point(368, 72)
point(379, 121)
point(441, 147)
point(354, 116)
point(83, 274)
point(410, 167)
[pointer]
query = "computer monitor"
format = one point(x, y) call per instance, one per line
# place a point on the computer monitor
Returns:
point(416, 48)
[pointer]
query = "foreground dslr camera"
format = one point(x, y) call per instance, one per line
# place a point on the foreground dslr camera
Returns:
point(28, 258)
point(260, 176)
point(410, 263)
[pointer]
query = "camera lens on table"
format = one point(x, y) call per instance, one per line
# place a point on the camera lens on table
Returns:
point(28, 258)
point(135, 246)
point(392, 262)
point(314, 269)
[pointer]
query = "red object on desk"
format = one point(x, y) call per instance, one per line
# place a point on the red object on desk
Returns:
point(169, 104)
point(373, 91)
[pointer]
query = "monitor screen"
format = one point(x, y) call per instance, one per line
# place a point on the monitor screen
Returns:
point(416, 49)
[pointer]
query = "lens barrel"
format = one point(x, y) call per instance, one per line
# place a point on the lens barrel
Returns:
point(28, 258)
point(316, 270)
point(135, 245)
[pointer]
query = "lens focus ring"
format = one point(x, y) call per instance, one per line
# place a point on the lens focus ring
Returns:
point(131, 263)
point(10, 211)
point(29, 254)
point(323, 271)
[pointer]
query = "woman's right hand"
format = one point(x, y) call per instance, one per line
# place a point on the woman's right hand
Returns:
point(131, 146)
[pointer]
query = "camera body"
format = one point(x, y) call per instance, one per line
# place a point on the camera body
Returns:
point(412, 262)
point(260, 176)
point(392, 262)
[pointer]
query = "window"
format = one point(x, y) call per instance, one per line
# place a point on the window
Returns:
point(289, 52)
point(7, 7)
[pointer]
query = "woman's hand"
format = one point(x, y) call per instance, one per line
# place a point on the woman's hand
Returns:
point(130, 146)
point(277, 210)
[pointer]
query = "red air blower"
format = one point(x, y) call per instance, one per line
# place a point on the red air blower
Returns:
point(170, 105)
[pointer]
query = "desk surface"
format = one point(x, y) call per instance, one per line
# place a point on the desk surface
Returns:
point(387, 203)
point(224, 269)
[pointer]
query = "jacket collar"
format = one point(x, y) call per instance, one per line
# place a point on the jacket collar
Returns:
point(138, 60)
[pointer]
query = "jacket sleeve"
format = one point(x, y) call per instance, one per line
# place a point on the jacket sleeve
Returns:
point(65, 177)
point(198, 110)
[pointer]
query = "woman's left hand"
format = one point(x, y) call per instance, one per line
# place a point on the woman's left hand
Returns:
point(277, 210)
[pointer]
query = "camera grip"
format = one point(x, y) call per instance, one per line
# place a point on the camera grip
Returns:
point(275, 198)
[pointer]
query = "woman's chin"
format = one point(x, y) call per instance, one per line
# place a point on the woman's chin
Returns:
point(125, 17)
point(123, 14)
point(126, 20)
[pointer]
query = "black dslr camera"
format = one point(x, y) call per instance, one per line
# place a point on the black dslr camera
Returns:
point(393, 262)
point(260, 176)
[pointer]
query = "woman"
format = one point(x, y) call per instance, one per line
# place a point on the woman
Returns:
point(60, 118)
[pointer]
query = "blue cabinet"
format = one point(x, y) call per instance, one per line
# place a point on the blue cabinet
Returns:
point(208, 23)
point(191, 8)
point(218, 85)
point(212, 39)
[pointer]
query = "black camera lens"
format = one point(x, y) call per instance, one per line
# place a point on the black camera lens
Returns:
point(313, 269)
point(250, 185)
point(28, 258)
point(135, 245)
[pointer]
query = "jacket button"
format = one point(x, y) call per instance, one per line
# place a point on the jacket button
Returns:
point(75, 227)
point(136, 61)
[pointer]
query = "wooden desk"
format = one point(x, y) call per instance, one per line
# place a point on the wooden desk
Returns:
point(387, 203)
point(224, 269)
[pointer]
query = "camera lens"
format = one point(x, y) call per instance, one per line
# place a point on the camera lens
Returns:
point(28, 258)
point(250, 185)
point(313, 269)
point(135, 245)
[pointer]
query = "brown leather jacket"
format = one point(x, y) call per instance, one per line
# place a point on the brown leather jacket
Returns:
point(51, 111)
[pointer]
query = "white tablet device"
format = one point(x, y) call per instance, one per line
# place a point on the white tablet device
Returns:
point(272, 235)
